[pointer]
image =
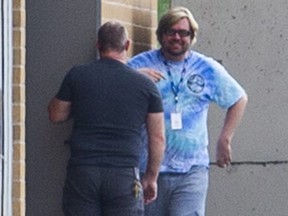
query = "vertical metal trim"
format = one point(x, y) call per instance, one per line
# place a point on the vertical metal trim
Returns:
point(6, 79)
point(98, 13)
point(1, 113)
point(98, 19)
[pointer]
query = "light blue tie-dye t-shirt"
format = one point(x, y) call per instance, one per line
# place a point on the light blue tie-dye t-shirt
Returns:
point(204, 81)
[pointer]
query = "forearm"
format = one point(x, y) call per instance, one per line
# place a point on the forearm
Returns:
point(156, 148)
point(233, 117)
point(156, 145)
point(155, 156)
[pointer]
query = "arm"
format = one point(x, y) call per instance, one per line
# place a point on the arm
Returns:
point(156, 147)
point(59, 111)
point(233, 117)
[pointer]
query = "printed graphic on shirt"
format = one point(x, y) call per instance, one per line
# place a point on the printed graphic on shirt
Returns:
point(196, 83)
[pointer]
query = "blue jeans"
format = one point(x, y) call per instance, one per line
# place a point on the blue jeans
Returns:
point(102, 191)
point(181, 194)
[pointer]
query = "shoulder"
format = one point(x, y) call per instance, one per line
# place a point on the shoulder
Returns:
point(82, 67)
point(137, 75)
point(206, 62)
point(205, 59)
point(138, 78)
point(144, 59)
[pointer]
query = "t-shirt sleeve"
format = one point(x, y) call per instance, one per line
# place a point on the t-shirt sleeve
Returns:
point(65, 91)
point(228, 91)
point(139, 61)
point(132, 63)
point(155, 105)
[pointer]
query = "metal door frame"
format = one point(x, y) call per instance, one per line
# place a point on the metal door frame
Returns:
point(6, 143)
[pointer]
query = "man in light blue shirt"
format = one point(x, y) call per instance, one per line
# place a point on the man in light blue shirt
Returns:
point(188, 82)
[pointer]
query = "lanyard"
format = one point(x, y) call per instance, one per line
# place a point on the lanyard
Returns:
point(175, 88)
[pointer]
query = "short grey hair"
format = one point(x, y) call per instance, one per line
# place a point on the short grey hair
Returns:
point(112, 36)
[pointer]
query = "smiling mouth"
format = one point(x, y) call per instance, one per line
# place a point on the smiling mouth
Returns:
point(176, 46)
point(176, 42)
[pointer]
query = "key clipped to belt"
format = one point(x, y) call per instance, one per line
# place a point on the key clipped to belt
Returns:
point(137, 184)
point(137, 188)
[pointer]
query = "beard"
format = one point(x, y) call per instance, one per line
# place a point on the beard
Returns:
point(175, 47)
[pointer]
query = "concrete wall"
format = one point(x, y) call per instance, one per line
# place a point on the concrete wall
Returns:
point(250, 38)
point(59, 34)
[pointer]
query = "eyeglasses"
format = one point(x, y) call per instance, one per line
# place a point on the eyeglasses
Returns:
point(181, 32)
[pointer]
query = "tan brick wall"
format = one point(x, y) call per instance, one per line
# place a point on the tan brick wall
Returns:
point(19, 51)
point(138, 16)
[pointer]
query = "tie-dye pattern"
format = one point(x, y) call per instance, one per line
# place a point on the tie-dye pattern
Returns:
point(205, 81)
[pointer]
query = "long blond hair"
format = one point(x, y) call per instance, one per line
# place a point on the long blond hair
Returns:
point(171, 17)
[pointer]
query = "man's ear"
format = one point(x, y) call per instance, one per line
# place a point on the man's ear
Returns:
point(127, 44)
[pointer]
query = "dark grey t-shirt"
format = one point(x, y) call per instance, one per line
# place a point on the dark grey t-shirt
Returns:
point(110, 102)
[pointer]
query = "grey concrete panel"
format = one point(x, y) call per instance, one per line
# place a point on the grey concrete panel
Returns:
point(60, 34)
point(248, 191)
point(250, 38)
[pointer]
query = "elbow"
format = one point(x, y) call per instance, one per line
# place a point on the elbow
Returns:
point(58, 111)
point(54, 119)
point(57, 118)
point(244, 100)
point(163, 141)
point(158, 141)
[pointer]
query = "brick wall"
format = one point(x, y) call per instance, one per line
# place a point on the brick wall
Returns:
point(18, 184)
point(138, 16)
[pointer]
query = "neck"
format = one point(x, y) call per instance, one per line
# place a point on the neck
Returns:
point(114, 55)
point(170, 57)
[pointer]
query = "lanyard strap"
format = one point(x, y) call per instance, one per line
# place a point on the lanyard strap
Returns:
point(175, 88)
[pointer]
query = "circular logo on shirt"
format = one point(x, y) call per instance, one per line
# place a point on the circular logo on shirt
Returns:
point(196, 83)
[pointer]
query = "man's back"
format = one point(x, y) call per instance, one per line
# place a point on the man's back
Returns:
point(107, 122)
point(109, 103)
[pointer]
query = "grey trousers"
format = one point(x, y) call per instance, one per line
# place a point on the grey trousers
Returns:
point(102, 191)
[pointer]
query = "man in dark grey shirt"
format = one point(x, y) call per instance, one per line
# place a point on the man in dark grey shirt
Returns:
point(109, 103)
